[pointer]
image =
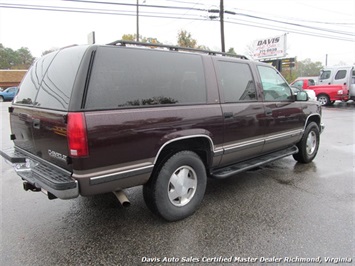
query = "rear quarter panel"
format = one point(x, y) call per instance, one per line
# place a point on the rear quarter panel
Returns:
point(119, 138)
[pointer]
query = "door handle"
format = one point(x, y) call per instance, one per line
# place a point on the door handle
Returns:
point(228, 115)
point(268, 112)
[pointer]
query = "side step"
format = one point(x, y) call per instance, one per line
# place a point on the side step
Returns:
point(252, 163)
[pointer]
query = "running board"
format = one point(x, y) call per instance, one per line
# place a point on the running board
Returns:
point(252, 163)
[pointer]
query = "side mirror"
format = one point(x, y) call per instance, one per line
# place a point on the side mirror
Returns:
point(302, 96)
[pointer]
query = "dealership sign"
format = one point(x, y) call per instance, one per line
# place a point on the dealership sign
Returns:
point(273, 47)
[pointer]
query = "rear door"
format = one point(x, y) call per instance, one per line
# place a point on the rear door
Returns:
point(243, 135)
point(40, 109)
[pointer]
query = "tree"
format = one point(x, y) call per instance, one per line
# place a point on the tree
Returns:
point(49, 51)
point(19, 59)
point(185, 39)
point(25, 57)
point(231, 51)
point(133, 38)
point(307, 68)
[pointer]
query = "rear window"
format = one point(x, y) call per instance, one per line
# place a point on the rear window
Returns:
point(126, 77)
point(49, 82)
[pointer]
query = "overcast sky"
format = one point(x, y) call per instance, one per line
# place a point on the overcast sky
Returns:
point(315, 28)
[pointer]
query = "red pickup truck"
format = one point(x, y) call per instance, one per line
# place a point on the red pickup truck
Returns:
point(326, 94)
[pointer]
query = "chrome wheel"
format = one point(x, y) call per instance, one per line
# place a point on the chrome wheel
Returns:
point(308, 145)
point(182, 186)
point(311, 142)
point(323, 99)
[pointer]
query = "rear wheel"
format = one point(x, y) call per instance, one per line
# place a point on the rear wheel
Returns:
point(324, 99)
point(308, 145)
point(176, 190)
point(1, 99)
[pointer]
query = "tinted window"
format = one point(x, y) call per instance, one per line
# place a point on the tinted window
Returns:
point(123, 77)
point(298, 84)
point(325, 74)
point(58, 81)
point(340, 74)
point(31, 83)
point(236, 81)
point(274, 86)
point(311, 82)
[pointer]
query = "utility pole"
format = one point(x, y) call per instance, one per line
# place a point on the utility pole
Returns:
point(326, 60)
point(221, 17)
point(137, 21)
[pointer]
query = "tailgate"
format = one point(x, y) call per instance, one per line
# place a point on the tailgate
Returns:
point(42, 133)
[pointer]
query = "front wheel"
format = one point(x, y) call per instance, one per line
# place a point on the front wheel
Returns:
point(1, 99)
point(308, 145)
point(176, 190)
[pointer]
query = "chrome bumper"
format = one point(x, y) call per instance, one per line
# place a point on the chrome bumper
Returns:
point(45, 177)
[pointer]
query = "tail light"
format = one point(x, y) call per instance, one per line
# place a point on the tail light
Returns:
point(77, 136)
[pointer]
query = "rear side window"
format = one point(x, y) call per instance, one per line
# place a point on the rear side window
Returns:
point(125, 77)
point(32, 81)
point(236, 81)
point(58, 81)
point(311, 82)
point(341, 74)
point(50, 80)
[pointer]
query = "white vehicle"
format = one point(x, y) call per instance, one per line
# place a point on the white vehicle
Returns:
point(342, 75)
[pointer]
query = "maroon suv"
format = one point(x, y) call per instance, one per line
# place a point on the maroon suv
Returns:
point(100, 118)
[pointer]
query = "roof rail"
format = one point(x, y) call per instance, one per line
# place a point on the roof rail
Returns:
point(174, 48)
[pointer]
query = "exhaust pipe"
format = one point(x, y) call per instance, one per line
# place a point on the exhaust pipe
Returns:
point(122, 198)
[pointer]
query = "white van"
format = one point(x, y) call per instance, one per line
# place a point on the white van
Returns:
point(343, 75)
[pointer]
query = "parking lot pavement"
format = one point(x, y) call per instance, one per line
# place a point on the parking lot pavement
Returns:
point(283, 212)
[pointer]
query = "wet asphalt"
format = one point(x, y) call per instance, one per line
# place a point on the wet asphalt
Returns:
point(283, 212)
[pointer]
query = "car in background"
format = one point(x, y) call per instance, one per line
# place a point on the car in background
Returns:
point(304, 82)
point(311, 94)
point(8, 94)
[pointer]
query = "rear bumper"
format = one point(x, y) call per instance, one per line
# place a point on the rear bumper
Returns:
point(48, 178)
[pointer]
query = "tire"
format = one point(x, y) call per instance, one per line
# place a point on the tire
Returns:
point(176, 189)
point(324, 99)
point(308, 145)
point(1, 99)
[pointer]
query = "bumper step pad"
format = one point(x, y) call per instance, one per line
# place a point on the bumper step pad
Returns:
point(45, 176)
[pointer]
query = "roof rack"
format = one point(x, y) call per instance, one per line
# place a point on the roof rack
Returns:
point(174, 48)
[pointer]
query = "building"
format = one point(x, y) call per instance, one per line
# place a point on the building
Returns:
point(11, 77)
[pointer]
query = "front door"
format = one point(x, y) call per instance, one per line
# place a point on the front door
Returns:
point(284, 119)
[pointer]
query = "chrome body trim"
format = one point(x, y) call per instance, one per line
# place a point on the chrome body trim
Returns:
point(277, 137)
point(216, 152)
point(243, 145)
point(120, 175)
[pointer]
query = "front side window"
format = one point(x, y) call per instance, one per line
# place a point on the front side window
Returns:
point(274, 86)
point(236, 82)
point(325, 74)
point(130, 77)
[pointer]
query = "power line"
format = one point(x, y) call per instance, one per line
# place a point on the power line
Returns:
point(181, 17)
point(134, 5)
